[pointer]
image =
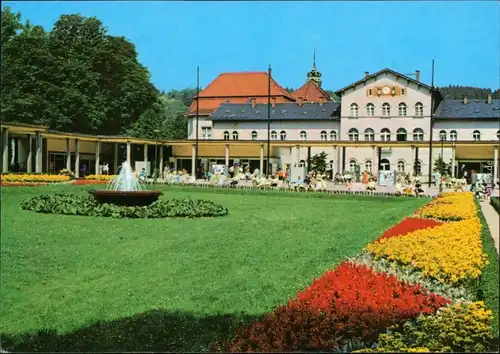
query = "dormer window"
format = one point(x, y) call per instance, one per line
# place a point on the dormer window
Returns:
point(303, 135)
point(274, 135)
point(254, 135)
point(323, 135)
point(235, 135)
point(226, 135)
point(476, 135)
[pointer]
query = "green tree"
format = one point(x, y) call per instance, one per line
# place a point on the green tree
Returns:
point(167, 116)
point(318, 162)
point(442, 167)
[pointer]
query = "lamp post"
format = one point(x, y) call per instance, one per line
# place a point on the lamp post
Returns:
point(155, 169)
point(442, 163)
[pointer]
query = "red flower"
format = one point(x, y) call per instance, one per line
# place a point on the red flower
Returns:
point(409, 225)
point(351, 301)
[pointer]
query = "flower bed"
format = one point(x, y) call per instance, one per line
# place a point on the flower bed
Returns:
point(80, 182)
point(419, 284)
point(349, 302)
point(22, 184)
point(28, 177)
point(100, 177)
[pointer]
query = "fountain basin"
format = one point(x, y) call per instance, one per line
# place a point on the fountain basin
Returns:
point(132, 198)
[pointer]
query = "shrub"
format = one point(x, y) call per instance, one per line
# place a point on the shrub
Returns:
point(462, 327)
point(69, 204)
point(100, 177)
point(346, 303)
point(495, 202)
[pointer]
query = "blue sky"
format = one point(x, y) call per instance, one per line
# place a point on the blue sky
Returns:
point(172, 38)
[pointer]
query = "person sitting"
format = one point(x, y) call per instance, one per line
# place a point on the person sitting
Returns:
point(371, 187)
point(418, 188)
point(479, 190)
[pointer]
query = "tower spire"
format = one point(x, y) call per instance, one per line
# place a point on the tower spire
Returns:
point(314, 75)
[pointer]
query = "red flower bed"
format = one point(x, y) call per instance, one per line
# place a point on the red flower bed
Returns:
point(88, 181)
point(409, 225)
point(351, 301)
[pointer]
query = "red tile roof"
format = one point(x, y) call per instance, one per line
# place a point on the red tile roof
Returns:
point(310, 92)
point(238, 88)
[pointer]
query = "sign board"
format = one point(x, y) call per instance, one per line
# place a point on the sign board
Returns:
point(297, 173)
point(386, 178)
point(139, 165)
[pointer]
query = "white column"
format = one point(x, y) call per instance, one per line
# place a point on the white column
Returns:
point(146, 152)
point(77, 158)
point(339, 160)
point(129, 150)
point(297, 155)
point(453, 163)
point(335, 156)
point(39, 157)
point(29, 160)
point(227, 155)
point(160, 172)
point(5, 150)
point(261, 165)
point(68, 155)
point(97, 161)
point(495, 164)
point(115, 159)
point(374, 161)
point(193, 160)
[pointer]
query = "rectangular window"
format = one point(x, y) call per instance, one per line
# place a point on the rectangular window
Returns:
point(206, 132)
point(403, 91)
point(369, 92)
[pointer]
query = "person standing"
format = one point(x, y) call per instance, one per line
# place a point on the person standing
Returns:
point(105, 168)
point(84, 170)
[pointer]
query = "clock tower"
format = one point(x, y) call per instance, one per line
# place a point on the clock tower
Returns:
point(314, 75)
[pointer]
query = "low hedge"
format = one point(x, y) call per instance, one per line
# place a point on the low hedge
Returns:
point(495, 202)
point(69, 204)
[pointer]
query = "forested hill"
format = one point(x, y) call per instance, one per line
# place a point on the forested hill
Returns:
point(456, 92)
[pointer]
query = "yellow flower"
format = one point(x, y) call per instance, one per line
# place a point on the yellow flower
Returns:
point(27, 177)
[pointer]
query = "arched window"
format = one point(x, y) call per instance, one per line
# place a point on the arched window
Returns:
point(385, 135)
point(353, 134)
point(453, 135)
point(401, 166)
point(442, 135)
point(419, 109)
point(354, 110)
point(274, 135)
point(370, 109)
point(323, 135)
point(402, 109)
point(352, 165)
point(401, 134)
point(303, 135)
point(386, 109)
point(302, 163)
point(476, 135)
point(333, 135)
point(418, 167)
point(254, 135)
point(283, 135)
point(226, 135)
point(498, 135)
point(331, 164)
point(385, 165)
point(418, 134)
point(368, 165)
point(235, 135)
point(369, 134)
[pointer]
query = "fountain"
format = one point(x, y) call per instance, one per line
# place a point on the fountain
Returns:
point(126, 190)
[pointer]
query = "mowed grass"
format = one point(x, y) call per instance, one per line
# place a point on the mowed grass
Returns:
point(171, 284)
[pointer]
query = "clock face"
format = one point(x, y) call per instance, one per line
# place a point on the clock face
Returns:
point(386, 90)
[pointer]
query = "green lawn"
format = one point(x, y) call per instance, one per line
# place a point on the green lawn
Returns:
point(171, 284)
